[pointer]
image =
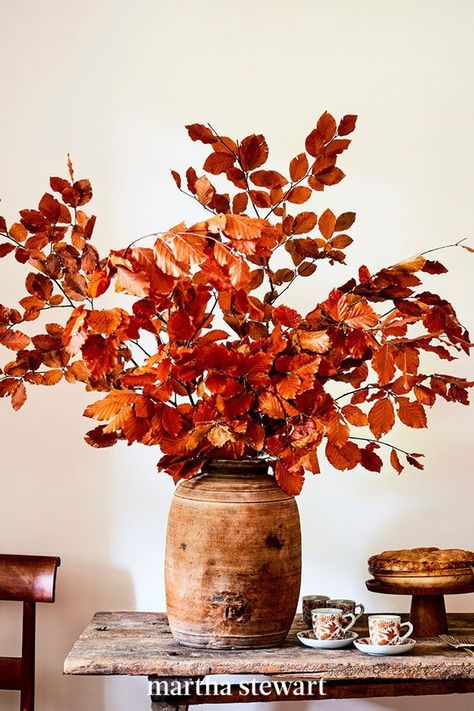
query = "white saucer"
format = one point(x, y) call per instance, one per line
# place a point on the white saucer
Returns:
point(307, 638)
point(363, 645)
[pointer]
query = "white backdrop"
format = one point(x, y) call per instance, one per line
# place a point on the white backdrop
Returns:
point(114, 82)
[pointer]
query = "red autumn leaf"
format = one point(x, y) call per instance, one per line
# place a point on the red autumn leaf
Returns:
point(176, 178)
point(370, 460)
point(15, 340)
point(239, 203)
point(381, 417)
point(395, 462)
point(299, 167)
point(270, 405)
point(179, 326)
point(219, 162)
point(268, 179)
point(98, 438)
point(424, 395)
point(411, 413)
point(253, 152)
point(331, 176)
point(344, 221)
point(433, 267)
point(290, 482)
point(384, 365)
point(198, 132)
point(6, 248)
point(346, 457)
point(204, 190)
point(347, 124)
point(136, 284)
point(106, 321)
point(314, 143)
point(327, 126)
point(304, 222)
point(286, 316)
point(354, 415)
point(327, 223)
point(314, 341)
point(299, 195)
point(18, 397)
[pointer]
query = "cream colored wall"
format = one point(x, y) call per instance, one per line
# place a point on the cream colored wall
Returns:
point(114, 83)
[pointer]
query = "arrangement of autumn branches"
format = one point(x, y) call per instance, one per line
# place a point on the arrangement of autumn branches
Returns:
point(232, 372)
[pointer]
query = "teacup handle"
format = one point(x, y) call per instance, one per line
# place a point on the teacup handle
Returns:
point(407, 634)
point(351, 623)
point(361, 610)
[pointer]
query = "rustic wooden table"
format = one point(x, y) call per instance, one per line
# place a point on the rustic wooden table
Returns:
point(140, 644)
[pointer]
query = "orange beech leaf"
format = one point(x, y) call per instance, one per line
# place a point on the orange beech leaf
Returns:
point(253, 152)
point(113, 403)
point(381, 417)
point(384, 365)
point(327, 223)
point(270, 405)
point(219, 435)
point(314, 341)
point(136, 284)
point(344, 221)
point(304, 222)
point(18, 397)
point(290, 482)
point(286, 316)
point(395, 462)
point(411, 413)
point(327, 126)
point(241, 227)
point(337, 431)
point(204, 190)
point(361, 315)
point(6, 248)
point(331, 176)
point(15, 340)
point(106, 321)
point(347, 124)
point(314, 143)
point(289, 386)
point(414, 264)
point(354, 415)
point(268, 179)
point(218, 162)
point(198, 132)
point(346, 457)
point(369, 459)
point(424, 395)
point(299, 167)
point(299, 195)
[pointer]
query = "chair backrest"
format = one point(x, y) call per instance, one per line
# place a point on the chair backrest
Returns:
point(28, 578)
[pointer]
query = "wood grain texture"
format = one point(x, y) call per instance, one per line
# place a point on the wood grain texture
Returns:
point(140, 643)
point(29, 578)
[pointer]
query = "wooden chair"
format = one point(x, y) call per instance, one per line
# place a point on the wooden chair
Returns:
point(28, 579)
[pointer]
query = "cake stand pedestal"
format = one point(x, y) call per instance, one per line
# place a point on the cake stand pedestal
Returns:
point(428, 611)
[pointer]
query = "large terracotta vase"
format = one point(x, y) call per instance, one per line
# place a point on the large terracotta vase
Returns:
point(233, 558)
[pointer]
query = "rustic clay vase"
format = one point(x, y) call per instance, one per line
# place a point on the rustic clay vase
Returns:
point(233, 558)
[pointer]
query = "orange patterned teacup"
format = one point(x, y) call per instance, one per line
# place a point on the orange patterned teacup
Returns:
point(385, 629)
point(328, 623)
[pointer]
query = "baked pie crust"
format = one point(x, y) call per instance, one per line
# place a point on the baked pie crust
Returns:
point(424, 567)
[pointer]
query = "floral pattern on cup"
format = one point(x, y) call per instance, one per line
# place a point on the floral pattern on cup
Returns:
point(328, 623)
point(347, 606)
point(385, 630)
point(311, 602)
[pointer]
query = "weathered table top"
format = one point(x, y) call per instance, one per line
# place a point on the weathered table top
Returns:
point(140, 643)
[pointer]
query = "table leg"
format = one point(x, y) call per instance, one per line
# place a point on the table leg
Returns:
point(428, 615)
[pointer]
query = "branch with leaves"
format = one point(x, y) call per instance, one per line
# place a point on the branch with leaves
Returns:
point(202, 361)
